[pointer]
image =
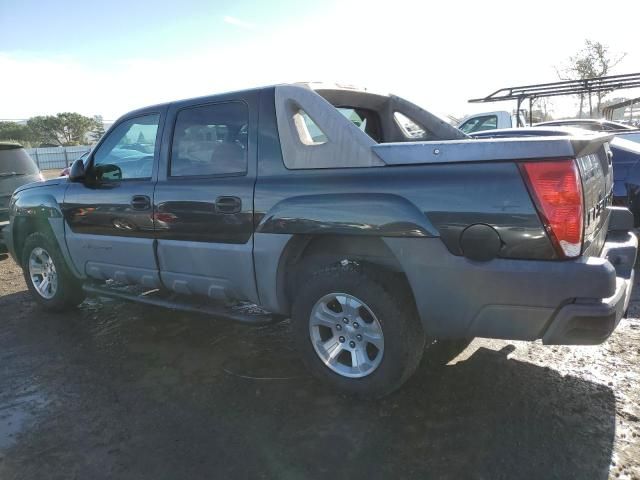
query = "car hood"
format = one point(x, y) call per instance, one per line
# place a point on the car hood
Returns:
point(11, 183)
point(36, 182)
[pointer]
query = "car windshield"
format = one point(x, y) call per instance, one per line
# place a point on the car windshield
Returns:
point(16, 161)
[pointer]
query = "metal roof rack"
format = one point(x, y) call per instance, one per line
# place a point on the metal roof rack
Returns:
point(634, 102)
point(565, 87)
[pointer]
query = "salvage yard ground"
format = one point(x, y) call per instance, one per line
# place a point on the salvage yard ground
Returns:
point(116, 390)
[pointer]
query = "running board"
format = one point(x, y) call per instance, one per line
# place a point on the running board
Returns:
point(152, 298)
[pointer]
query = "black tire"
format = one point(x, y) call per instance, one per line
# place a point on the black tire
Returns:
point(68, 293)
point(441, 352)
point(387, 298)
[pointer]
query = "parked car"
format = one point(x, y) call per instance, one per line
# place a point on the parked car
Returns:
point(17, 168)
point(626, 162)
point(626, 132)
point(490, 121)
point(374, 225)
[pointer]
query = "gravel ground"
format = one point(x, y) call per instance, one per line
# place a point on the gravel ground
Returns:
point(116, 390)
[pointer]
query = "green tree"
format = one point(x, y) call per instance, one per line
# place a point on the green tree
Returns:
point(68, 128)
point(98, 128)
point(16, 131)
point(592, 61)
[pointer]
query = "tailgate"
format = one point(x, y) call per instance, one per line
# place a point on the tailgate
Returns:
point(594, 163)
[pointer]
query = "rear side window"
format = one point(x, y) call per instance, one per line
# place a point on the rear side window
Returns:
point(15, 161)
point(308, 130)
point(210, 140)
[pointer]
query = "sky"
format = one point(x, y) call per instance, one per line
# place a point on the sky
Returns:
point(106, 58)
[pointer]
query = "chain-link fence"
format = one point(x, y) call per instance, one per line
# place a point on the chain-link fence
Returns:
point(56, 157)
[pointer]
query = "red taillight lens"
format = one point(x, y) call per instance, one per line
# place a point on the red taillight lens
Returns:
point(557, 191)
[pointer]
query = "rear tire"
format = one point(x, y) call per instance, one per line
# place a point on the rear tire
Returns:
point(47, 275)
point(356, 330)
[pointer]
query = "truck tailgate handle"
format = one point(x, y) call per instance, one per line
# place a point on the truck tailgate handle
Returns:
point(228, 204)
point(140, 202)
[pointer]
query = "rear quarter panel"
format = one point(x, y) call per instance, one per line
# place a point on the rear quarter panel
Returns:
point(405, 201)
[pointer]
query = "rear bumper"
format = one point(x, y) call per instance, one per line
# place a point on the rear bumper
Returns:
point(573, 302)
point(589, 321)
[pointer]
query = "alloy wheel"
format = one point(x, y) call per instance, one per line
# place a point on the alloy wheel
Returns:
point(346, 335)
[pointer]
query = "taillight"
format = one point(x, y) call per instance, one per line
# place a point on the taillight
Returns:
point(556, 189)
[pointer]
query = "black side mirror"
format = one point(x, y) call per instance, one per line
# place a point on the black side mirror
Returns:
point(108, 173)
point(77, 172)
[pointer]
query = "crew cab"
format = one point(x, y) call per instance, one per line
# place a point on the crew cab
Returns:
point(382, 232)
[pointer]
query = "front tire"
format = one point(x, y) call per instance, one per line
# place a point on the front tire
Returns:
point(356, 330)
point(47, 275)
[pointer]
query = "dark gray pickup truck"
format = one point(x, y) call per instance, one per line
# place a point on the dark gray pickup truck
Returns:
point(381, 231)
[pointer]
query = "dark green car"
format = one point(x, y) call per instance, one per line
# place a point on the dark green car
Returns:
point(17, 168)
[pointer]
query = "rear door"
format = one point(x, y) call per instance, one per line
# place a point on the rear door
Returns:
point(109, 217)
point(203, 202)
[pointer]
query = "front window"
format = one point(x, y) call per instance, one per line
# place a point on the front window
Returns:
point(128, 152)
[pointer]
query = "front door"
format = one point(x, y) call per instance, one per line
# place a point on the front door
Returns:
point(204, 200)
point(109, 217)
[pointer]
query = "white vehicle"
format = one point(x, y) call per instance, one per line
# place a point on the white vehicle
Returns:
point(490, 121)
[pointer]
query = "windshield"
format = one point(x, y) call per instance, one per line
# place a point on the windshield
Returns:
point(16, 161)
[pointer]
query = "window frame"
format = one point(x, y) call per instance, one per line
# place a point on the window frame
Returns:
point(156, 149)
point(170, 177)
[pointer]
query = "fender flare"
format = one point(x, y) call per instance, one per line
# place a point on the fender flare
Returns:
point(368, 214)
point(41, 207)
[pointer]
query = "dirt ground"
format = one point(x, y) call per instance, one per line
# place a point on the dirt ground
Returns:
point(116, 390)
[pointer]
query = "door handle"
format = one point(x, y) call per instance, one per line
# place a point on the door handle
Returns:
point(140, 202)
point(228, 205)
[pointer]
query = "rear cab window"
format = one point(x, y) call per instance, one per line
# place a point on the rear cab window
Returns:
point(14, 160)
point(210, 140)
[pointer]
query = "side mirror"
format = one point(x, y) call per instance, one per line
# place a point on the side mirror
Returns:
point(108, 173)
point(77, 172)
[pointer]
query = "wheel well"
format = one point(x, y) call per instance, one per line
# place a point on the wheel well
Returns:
point(25, 226)
point(305, 252)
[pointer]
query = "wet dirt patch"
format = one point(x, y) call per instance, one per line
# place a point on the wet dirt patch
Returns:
point(116, 390)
